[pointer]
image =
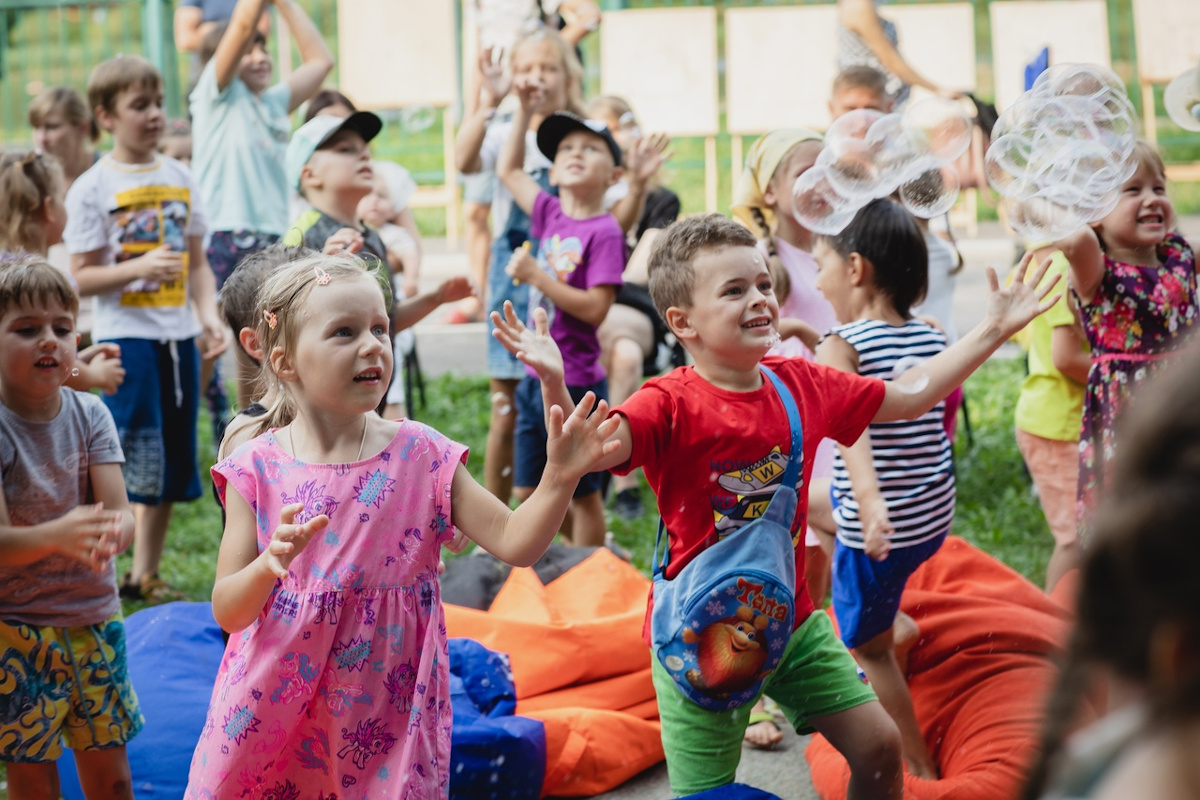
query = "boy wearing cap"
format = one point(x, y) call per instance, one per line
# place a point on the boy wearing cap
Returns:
point(329, 163)
point(575, 277)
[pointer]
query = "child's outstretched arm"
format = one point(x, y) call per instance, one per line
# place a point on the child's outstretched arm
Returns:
point(202, 286)
point(575, 446)
point(316, 62)
point(1009, 310)
point(511, 166)
point(246, 577)
point(536, 348)
point(496, 84)
point(227, 60)
point(410, 312)
point(1083, 253)
point(588, 305)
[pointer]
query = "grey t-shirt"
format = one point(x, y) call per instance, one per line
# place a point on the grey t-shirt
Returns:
point(45, 471)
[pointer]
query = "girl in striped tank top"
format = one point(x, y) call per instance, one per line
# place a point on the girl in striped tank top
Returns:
point(892, 493)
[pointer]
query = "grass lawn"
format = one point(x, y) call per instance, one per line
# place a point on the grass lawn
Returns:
point(996, 509)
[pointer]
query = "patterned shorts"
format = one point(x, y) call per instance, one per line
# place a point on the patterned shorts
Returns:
point(64, 685)
point(226, 249)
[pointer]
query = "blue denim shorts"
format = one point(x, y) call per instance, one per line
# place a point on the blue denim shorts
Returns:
point(479, 187)
point(155, 413)
point(530, 446)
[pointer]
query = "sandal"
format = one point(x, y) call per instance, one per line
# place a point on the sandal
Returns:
point(150, 589)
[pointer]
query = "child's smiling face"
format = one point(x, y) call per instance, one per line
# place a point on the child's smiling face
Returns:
point(734, 313)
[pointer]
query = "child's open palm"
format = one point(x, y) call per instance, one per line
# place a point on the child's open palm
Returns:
point(534, 347)
point(289, 539)
point(574, 446)
point(1012, 308)
point(496, 79)
point(454, 289)
point(530, 91)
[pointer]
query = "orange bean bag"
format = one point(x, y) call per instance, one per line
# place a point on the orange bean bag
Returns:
point(979, 676)
point(580, 666)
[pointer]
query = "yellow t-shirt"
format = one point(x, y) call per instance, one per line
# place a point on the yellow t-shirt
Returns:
point(1050, 404)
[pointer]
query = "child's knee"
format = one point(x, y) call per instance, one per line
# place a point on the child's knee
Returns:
point(877, 747)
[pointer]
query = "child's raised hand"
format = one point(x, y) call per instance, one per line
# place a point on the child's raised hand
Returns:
point(456, 288)
point(647, 155)
point(1014, 306)
point(530, 91)
point(289, 539)
point(522, 267)
point(496, 79)
point(575, 445)
point(343, 240)
point(88, 533)
point(534, 347)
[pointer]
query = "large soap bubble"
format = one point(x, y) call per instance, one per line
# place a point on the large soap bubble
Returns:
point(941, 124)
point(931, 193)
point(820, 207)
point(1061, 152)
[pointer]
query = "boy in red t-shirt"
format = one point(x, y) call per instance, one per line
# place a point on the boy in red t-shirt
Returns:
point(712, 440)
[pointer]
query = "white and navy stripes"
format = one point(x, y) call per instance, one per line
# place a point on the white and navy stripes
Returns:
point(912, 457)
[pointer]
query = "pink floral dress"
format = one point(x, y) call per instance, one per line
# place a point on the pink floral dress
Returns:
point(1138, 316)
point(340, 688)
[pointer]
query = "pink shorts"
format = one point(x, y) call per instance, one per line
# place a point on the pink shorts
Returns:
point(1054, 466)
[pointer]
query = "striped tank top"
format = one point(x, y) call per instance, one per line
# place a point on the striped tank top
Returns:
point(912, 457)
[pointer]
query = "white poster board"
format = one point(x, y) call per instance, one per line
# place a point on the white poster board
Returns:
point(1076, 31)
point(779, 66)
point(397, 53)
point(938, 41)
point(664, 62)
point(1168, 37)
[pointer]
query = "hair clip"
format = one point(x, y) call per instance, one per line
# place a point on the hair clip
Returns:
point(322, 277)
point(271, 319)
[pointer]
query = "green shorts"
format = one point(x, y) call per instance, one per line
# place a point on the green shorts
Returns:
point(816, 677)
point(64, 684)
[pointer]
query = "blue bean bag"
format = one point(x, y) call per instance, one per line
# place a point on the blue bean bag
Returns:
point(174, 652)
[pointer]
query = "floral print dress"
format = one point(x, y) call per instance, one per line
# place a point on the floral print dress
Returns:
point(340, 688)
point(1138, 316)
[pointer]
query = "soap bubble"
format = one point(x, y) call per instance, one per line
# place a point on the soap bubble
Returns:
point(1062, 151)
point(909, 375)
point(942, 124)
point(852, 125)
point(932, 193)
point(851, 169)
point(818, 206)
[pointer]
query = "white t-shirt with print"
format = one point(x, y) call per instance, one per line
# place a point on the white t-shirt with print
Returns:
point(126, 210)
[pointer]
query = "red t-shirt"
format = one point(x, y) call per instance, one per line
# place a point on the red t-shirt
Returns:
point(713, 457)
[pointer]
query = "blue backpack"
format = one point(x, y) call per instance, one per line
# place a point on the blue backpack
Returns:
point(721, 625)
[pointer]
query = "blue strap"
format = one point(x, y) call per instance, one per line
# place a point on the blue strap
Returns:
point(791, 473)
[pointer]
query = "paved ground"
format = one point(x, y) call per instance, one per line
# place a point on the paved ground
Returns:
point(460, 349)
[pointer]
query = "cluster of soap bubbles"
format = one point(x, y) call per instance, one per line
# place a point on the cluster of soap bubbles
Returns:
point(868, 154)
point(1061, 152)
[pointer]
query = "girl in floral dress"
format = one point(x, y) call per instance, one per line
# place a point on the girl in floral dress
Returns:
point(1135, 281)
point(335, 682)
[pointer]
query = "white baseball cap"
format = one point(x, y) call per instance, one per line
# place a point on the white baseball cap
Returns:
point(309, 137)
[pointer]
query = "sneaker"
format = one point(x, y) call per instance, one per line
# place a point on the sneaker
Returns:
point(628, 504)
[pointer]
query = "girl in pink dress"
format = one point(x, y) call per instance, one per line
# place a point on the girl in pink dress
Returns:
point(335, 682)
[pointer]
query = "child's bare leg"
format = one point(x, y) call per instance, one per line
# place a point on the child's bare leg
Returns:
point(765, 733)
point(905, 633)
point(878, 660)
point(479, 255)
point(33, 781)
point(867, 737)
point(149, 538)
point(587, 520)
point(498, 458)
point(104, 774)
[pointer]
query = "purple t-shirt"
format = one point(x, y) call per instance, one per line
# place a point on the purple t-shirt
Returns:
point(581, 253)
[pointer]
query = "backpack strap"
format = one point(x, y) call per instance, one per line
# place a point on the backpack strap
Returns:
point(791, 474)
